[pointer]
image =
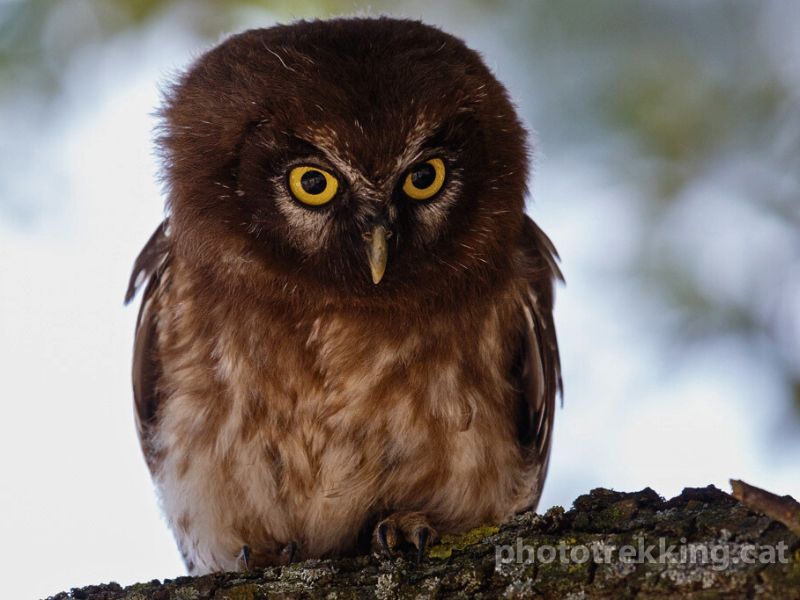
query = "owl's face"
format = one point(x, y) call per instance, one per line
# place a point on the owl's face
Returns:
point(357, 157)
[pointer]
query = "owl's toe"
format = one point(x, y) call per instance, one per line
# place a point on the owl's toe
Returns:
point(411, 527)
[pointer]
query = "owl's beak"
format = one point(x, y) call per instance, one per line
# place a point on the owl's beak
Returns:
point(377, 252)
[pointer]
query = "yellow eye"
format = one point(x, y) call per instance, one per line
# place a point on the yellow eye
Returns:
point(312, 185)
point(424, 179)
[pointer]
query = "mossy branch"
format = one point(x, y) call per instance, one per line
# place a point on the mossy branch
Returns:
point(510, 561)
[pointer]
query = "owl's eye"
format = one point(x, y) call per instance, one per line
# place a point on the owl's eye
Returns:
point(312, 185)
point(424, 179)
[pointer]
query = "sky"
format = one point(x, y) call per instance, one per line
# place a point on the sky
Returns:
point(76, 504)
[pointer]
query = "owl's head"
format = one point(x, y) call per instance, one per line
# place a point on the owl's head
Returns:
point(356, 158)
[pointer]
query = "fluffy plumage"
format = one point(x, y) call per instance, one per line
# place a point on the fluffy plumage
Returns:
point(283, 399)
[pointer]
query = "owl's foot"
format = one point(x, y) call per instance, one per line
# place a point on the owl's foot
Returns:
point(289, 552)
point(410, 527)
point(247, 560)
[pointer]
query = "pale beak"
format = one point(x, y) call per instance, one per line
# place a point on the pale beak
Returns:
point(377, 252)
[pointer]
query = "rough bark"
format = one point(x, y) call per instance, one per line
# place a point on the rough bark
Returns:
point(466, 566)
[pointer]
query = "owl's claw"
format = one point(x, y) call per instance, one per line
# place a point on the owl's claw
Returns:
point(382, 538)
point(412, 527)
point(244, 558)
point(422, 540)
point(290, 552)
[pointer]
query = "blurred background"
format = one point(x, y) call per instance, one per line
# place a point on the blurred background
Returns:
point(667, 172)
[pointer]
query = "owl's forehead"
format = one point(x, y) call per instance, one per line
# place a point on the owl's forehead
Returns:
point(375, 122)
point(373, 91)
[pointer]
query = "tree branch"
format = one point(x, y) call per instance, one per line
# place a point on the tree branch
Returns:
point(783, 509)
point(515, 561)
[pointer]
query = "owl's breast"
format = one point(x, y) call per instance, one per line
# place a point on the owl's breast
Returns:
point(423, 413)
point(305, 430)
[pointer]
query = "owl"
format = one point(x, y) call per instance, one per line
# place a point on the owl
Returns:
point(346, 338)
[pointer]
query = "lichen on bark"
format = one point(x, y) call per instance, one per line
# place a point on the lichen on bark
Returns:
point(480, 564)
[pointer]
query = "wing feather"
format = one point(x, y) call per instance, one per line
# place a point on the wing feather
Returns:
point(537, 365)
point(150, 266)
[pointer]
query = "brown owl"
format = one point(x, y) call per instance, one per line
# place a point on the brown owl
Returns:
point(346, 336)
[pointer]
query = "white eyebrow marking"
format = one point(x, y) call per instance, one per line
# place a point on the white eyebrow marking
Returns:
point(421, 130)
point(326, 139)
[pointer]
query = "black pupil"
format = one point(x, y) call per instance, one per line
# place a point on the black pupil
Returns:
point(313, 182)
point(423, 176)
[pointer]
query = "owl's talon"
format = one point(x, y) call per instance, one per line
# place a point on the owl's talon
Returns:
point(422, 540)
point(383, 529)
point(244, 558)
point(290, 551)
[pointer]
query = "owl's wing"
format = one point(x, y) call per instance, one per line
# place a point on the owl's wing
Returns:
point(537, 367)
point(149, 266)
